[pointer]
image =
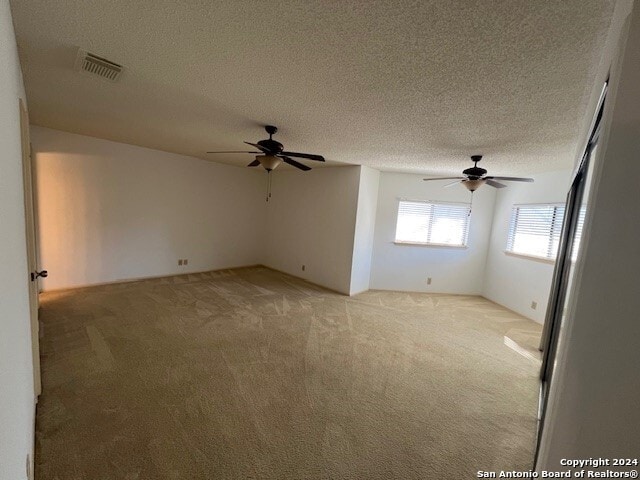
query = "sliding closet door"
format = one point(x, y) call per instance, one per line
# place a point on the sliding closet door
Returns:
point(563, 276)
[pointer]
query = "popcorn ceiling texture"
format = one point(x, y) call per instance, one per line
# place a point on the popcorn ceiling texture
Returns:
point(397, 85)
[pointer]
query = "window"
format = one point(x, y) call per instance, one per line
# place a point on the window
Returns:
point(535, 230)
point(430, 223)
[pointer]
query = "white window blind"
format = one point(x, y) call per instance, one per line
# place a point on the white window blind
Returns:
point(432, 223)
point(535, 230)
point(578, 236)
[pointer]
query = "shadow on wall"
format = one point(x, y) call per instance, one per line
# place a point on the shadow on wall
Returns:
point(110, 211)
point(407, 267)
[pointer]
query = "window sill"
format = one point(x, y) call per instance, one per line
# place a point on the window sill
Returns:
point(531, 257)
point(436, 245)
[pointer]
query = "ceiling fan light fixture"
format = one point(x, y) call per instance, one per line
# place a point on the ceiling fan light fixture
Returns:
point(473, 185)
point(475, 177)
point(272, 153)
point(269, 162)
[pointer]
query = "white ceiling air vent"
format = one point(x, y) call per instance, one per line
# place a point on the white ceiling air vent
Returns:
point(95, 65)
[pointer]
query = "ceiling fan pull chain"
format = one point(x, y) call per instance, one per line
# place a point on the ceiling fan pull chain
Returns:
point(268, 185)
point(470, 205)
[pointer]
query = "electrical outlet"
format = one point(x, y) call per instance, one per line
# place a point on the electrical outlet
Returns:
point(429, 281)
point(534, 305)
point(186, 261)
point(304, 267)
point(180, 262)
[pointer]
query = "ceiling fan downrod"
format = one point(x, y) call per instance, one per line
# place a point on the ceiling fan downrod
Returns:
point(271, 130)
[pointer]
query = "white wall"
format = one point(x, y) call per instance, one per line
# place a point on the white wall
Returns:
point(405, 267)
point(364, 230)
point(595, 391)
point(16, 367)
point(110, 211)
point(512, 281)
point(311, 221)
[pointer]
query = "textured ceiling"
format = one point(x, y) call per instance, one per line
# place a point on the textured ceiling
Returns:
point(397, 85)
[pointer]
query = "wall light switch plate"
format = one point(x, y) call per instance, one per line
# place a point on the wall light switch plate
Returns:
point(534, 305)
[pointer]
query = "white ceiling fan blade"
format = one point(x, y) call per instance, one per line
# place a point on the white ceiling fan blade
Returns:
point(511, 179)
point(495, 184)
point(443, 178)
point(451, 184)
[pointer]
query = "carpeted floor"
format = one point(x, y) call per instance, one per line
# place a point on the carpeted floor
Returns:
point(251, 373)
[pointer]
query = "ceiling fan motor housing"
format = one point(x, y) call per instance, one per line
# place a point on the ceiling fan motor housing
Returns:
point(474, 172)
point(271, 145)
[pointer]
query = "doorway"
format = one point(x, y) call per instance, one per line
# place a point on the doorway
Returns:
point(32, 246)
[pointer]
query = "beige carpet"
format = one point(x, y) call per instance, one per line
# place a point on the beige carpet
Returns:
point(250, 373)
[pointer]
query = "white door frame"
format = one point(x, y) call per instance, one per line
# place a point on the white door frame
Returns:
point(32, 245)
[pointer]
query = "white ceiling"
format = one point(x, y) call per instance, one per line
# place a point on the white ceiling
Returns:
point(397, 85)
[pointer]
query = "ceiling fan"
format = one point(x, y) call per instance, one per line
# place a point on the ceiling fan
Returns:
point(474, 177)
point(271, 153)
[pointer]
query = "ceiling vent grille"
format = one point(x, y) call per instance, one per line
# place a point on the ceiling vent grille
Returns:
point(95, 65)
